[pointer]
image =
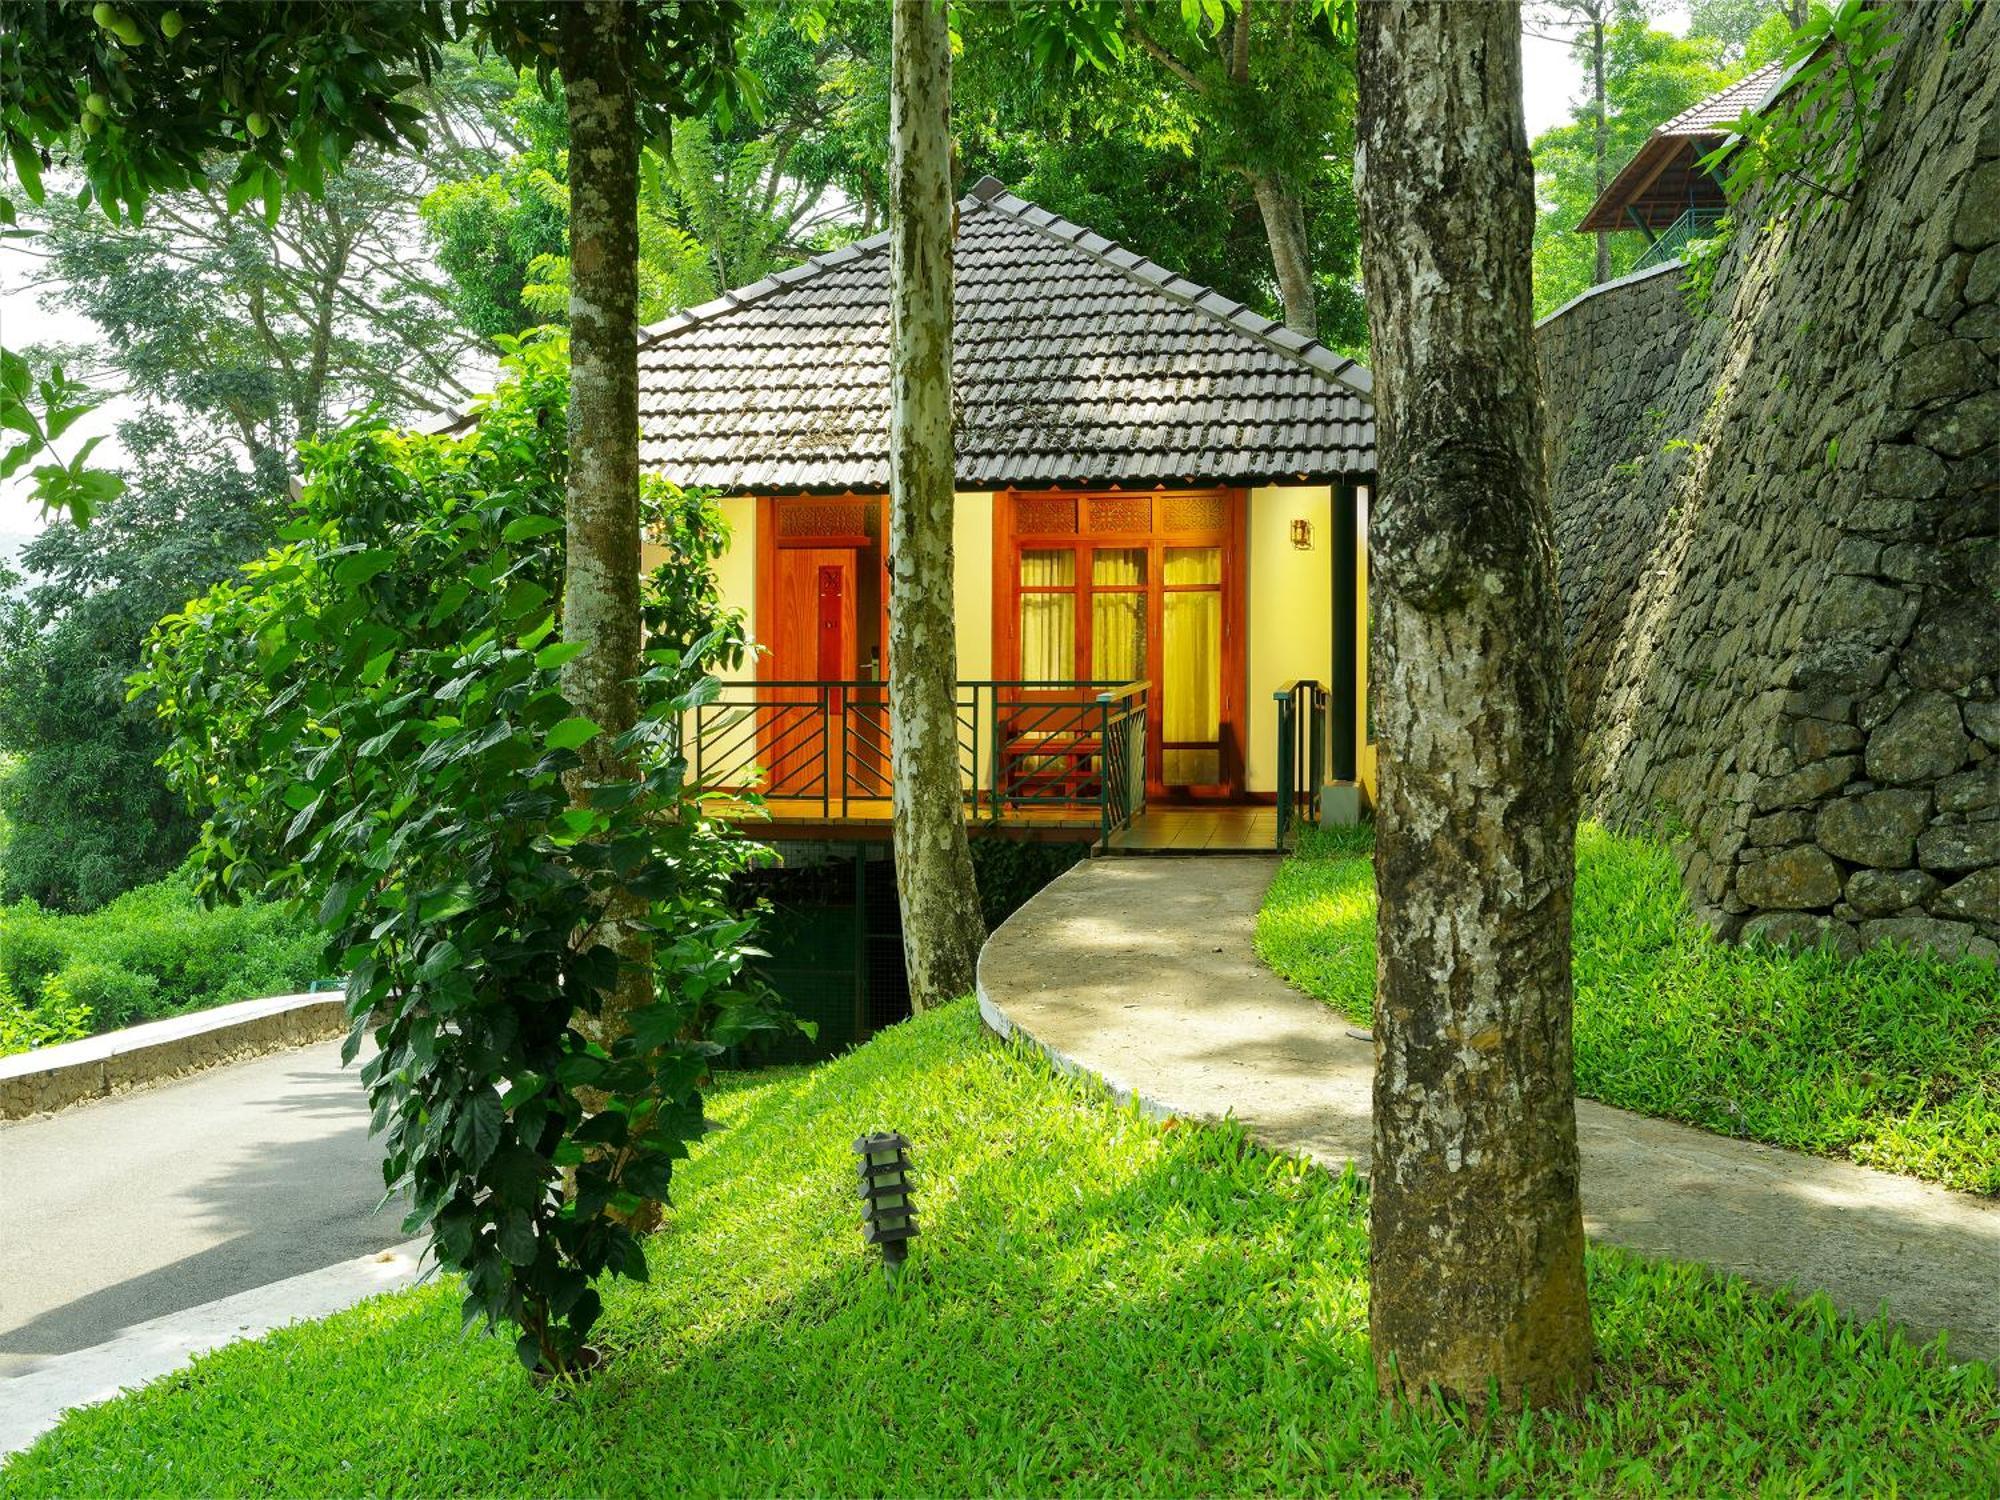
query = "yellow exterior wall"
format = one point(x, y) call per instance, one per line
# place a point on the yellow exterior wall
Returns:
point(972, 583)
point(735, 572)
point(1288, 612)
point(1365, 757)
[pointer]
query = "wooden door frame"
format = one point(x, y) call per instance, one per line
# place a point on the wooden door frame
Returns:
point(1235, 637)
point(769, 543)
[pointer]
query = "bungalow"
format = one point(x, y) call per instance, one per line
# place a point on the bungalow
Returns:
point(1159, 538)
point(1664, 191)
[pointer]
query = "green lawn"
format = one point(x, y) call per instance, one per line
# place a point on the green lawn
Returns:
point(1098, 1304)
point(1892, 1058)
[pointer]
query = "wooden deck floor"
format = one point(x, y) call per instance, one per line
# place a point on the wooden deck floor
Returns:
point(1212, 829)
point(1232, 829)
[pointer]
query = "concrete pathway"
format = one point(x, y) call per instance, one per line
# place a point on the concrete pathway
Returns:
point(1142, 972)
point(118, 1212)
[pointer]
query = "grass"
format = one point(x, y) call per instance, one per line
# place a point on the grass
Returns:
point(1098, 1304)
point(1892, 1058)
point(153, 952)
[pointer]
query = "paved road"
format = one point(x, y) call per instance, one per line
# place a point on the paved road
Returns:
point(1142, 972)
point(120, 1211)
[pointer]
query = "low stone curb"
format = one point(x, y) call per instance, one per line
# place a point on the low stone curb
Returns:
point(33, 1402)
point(53, 1078)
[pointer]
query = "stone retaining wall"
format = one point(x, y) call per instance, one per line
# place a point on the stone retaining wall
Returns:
point(1778, 524)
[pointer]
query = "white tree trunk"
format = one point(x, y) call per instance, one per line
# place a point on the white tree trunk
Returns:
point(942, 927)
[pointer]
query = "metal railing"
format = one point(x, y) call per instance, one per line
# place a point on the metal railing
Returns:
point(1673, 241)
point(1028, 743)
point(1301, 751)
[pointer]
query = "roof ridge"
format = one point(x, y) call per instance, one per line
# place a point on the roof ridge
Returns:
point(1700, 106)
point(757, 291)
point(989, 192)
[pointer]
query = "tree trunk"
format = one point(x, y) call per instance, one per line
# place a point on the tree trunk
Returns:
point(601, 577)
point(1603, 139)
point(942, 927)
point(1475, 1231)
point(1285, 229)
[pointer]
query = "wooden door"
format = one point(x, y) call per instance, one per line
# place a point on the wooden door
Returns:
point(814, 643)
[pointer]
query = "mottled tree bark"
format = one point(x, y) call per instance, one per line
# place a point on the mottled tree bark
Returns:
point(1476, 1234)
point(1603, 134)
point(942, 927)
point(601, 539)
point(1284, 218)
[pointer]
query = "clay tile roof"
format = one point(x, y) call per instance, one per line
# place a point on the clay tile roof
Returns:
point(1076, 362)
point(1661, 166)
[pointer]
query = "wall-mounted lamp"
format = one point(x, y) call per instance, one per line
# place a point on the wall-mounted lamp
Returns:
point(1302, 534)
point(888, 1214)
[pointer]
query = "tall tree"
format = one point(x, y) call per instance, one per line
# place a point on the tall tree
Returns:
point(595, 39)
point(942, 926)
point(1475, 1227)
point(1583, 24)
point(1650, 76)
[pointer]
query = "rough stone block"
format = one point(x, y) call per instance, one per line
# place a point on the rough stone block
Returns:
point(1982, 282)
point(1982, 717)
point(1801, 930)
point(1775, 830)
point(1923, 740)
point(1791, 880)
point(1969, 791)
point(1977, 222)
point(1807, 785)
point(1976, 898)
point(1902, 471)
point(1876, 828)
point(1816, 739)
point(1959, 846)
point(1883, 893)
point(1946, 939)
point(1862, 606)
point(1965, 427)
point(1948, 368)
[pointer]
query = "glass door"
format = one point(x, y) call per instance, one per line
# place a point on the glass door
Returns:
point(1125, 588)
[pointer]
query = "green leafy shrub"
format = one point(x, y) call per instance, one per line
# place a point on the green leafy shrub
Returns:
point(108, 994)
point(157, 951)
point(374, 715)
point(54, 1019)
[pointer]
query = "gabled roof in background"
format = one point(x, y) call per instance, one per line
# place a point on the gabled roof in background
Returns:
point(1654, 183)
point(1076, 362)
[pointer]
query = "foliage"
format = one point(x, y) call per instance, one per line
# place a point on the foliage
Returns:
point(734, 195)
point(375, 717)
point(92, 815)
point(1106, 1303)
point(1160, 93)
point(1650, 76)
point(1890, 1058)
point(155, 951)
point(40, 408)
point(1809, 145)
point(1009, 871)
point(53, 1020)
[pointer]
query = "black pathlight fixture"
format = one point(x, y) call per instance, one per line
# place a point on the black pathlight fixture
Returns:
point(888, 1215)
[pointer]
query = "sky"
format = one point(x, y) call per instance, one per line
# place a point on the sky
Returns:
point(1550, 79)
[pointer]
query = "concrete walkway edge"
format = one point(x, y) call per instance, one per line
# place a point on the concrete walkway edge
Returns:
point(30, 1404)
point(1142, 974)
point(52, 1078)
